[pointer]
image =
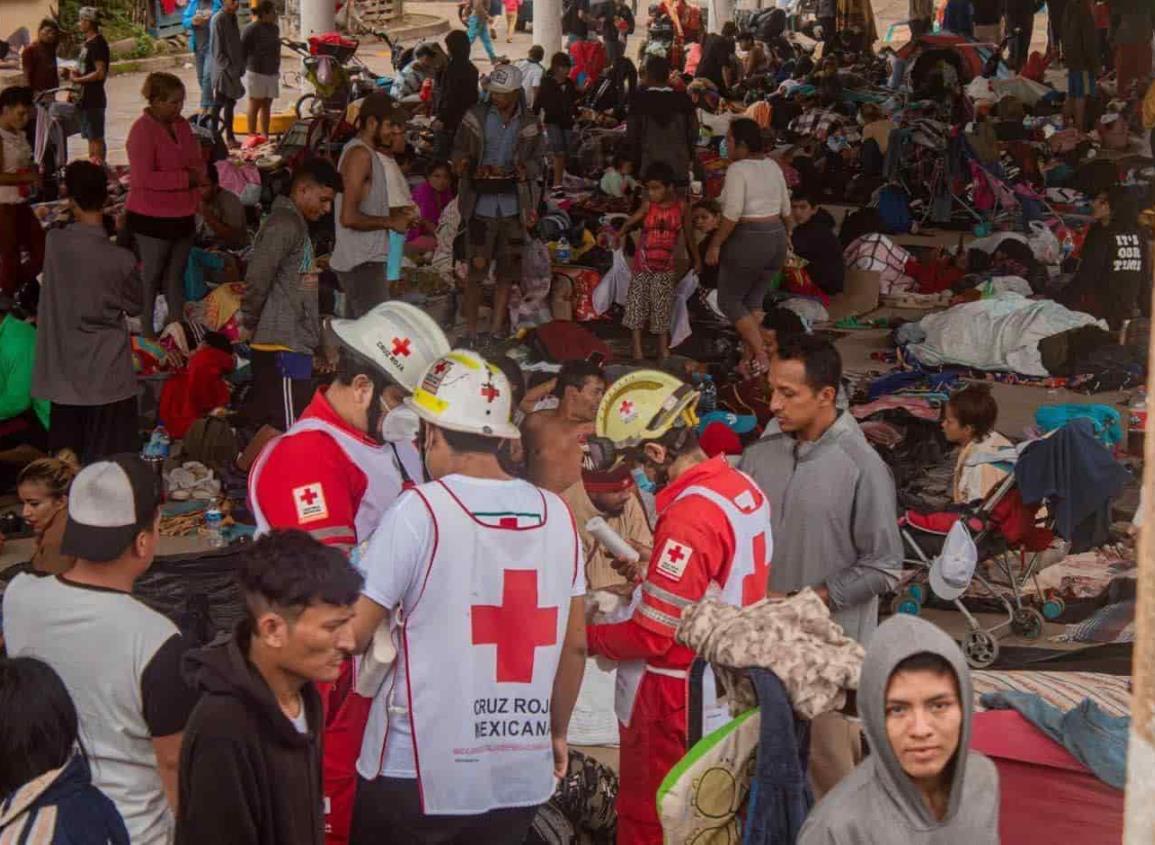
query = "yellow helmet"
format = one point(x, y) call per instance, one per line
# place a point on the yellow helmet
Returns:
point(644, 405)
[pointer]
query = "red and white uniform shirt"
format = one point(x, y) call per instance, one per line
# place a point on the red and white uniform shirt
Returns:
point(712, 537)
point(327, 478)
point(479, 575)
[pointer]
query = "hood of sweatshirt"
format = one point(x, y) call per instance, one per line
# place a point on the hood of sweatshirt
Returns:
point(221, 668)
point(878, 803)
point(900, 637)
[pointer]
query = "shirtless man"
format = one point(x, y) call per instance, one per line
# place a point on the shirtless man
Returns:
point(553, 439)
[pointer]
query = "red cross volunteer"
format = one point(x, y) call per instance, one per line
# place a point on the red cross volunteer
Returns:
point(712, 538)
point(480, 577)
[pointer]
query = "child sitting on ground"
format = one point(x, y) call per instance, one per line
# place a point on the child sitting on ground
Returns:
point(618, 180)
point(663, 219)
point(430, 197)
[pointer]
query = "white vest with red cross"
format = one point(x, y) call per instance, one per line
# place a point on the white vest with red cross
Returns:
point(748, 515)
point(481, 647)
point(385, 467)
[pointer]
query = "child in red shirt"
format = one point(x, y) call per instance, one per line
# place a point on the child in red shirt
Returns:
point(664, 219)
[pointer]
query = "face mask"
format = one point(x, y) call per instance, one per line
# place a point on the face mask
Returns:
point(643, 481)
point(399, 425)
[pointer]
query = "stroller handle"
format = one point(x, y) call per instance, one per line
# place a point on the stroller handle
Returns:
point(49, 93)
point(299, 47)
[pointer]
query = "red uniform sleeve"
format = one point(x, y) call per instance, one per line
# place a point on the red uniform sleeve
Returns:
point(692, 545)
point(308, 482)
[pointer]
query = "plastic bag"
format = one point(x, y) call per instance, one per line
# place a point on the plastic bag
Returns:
point(613, 286)
point(1043, 242)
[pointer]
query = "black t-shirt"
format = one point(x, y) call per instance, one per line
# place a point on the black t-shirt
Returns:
point(987, 12)
point(1114, 275)
point(95, 50)
point(815, 241)
point(572, 22)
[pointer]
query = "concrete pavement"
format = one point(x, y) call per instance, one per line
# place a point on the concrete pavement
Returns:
point(125, 102)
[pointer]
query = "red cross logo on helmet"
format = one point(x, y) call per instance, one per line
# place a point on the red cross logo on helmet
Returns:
point(626, 409)
point(489, 391)
point(401, 346)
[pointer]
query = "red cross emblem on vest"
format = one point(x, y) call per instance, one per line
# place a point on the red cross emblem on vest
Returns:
point(309, 496)
point(401, 346)
point(755, 585)
point(518, 627)
point(489, 391)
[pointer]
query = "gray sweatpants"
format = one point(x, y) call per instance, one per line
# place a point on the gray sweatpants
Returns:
point(750, 257)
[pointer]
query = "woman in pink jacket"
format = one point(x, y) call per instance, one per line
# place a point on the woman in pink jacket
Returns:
point(167, 172)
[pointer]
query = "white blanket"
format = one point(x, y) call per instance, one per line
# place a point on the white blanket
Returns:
point(1000, 333)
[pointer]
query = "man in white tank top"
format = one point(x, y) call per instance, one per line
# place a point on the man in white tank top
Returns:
point(480, 576)
point(362, 214)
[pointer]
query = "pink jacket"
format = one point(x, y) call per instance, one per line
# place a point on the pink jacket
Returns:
point(159, 168)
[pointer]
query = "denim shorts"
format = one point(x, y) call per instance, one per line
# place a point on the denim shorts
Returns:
point(558, 139)
point(91, 124)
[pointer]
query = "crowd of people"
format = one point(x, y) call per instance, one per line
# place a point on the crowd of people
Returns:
point(434, 500)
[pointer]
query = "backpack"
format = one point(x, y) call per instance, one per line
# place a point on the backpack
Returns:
point(893, 204)
point(212, 441)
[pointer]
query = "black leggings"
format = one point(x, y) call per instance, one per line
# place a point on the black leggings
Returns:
point(227, 106)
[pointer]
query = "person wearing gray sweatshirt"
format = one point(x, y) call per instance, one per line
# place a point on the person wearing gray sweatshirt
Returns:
point(280, 309)
point(834, 515)
point(921, 785)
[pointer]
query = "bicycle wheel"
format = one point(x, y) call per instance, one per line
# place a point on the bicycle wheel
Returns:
point(309, 105)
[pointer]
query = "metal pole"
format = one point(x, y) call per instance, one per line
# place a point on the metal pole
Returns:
point(1140, 800)
point(547, 26)
point(317, 16)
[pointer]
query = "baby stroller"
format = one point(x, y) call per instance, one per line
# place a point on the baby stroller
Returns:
point(1000, 528)
point(56, 120)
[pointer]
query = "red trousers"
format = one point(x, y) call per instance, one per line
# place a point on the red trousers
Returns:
point(19, 228)
point(652, 744)
point(345, 716)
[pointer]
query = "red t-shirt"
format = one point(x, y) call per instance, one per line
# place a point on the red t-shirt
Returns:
point(308, 481)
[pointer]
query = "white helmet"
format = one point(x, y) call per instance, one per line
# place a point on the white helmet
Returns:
point(399, 339)
point(461, 391)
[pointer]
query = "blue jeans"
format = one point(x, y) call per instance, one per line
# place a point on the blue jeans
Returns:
point(204, 66)
point(479, 28)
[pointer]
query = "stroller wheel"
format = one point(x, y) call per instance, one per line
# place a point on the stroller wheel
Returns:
point(1028, 623)
point(980, 649)
point(907, 604)
point(917, 592)
point(1053, 608)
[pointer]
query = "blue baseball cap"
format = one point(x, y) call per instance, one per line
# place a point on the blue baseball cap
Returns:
point(739, 423)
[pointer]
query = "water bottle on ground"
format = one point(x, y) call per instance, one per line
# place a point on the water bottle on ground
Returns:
point(563, 251)
point(214, 526)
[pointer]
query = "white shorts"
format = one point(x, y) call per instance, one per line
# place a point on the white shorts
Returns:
point(263, 86)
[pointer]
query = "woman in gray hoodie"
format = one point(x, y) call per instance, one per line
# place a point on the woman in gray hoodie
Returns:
point(920, 785)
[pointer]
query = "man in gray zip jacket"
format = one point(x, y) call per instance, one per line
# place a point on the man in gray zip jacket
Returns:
point(833, 510)
point(281, 307)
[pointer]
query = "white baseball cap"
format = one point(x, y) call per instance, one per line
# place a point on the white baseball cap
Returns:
point(952, 570)
point(505, 79)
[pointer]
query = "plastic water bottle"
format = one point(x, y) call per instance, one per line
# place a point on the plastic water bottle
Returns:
point(1066, 247)
point(563, 250)
point(708, 395)
point(214, 526)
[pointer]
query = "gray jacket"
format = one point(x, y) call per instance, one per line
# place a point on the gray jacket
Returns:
point(83, 352)
point(878, 803)
point(469, 143)
point(833, 511)
point(228, 56)
point(281, 304)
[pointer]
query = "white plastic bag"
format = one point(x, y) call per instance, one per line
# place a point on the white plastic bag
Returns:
point(613, 286)
point(1044, 244)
